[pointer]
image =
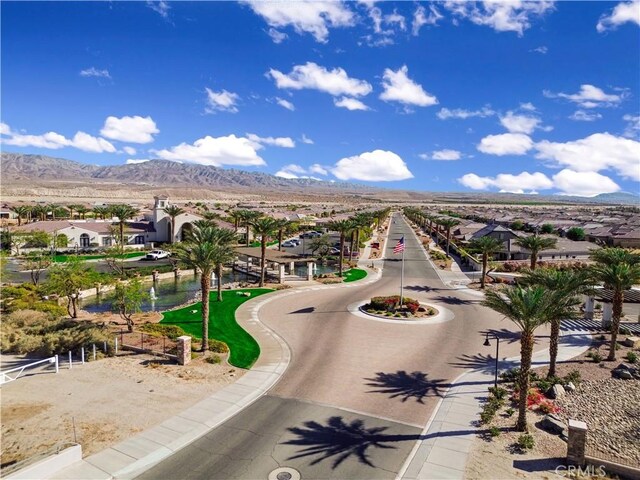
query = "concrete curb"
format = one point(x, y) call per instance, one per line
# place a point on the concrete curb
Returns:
point(448, 436)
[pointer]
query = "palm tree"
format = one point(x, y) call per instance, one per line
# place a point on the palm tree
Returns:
point(448, 224)
point(53, 208)
point(618, 269)
point(528, 308)
point(82, 211)
point(224, 253)
point(343, 227)
point(535, 244)
point(265, 227)
point(201, 251)
point(568, 284)
point(101, 212)
point(173, 211)
point(124, 213)
point(486, 246)
point(360, 221)
point(72, 208)
point(39, 211)
point(236, 217)
point(283, 226)
point(22, 211)
point(247, 217)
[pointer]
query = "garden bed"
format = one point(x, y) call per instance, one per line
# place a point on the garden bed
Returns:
point(387, 307)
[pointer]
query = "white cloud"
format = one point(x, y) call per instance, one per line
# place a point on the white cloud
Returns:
point(421, 19)
point(398, 87)
point(513, 16)
point(285, 104)
point(162, 7)
point(633, 126)
point(507, 182)
point(229, 150)
point(445, 154)
point(4, 129)
point(94, 72)
point(277, 36)
point(445, 113)
point(585, 184)
point(129, 150)
point(596, 152)
point(541, 49)
point(319, 169)
point(284, 142)
point(312, 76)
point(306, 140)
point(584, 116)
point(135, 161)
point(297, 171)
point(130, 129)
point(506, 144)
point(54, 141)
point(222, 101)
point(396, 19)
point(519, 123)
point(376, 166)
point(528, 106)
point(622, 13)
point(349, 103)
point(313, 17)
point(589, 96)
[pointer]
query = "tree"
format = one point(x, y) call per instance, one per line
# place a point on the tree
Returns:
point(359, 221)
point(224, 253)
point(101, 212)
point(236, 217)
point(36, 262)
point(265, 227)
point(128, 298)
point(320, 247)
point(82, 211)
point(486, 246)
point(568, 284)
point(284, 226)
point(576, 234)
point(61, 240)
point(6, 241)
point(67, 280)
point(448, 224)
point(71, 208)
point(517, 225)
point(547, 228)
point(618, 269)
point(535, 244)
point(199, 251)
point(173, 211)
point(23, 212)
point(343, 227)
point(528, 308)
point(247, 217)
point(124, 213)
point(39, 211)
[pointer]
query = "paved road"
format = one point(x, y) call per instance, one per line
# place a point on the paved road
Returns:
point(358, 391)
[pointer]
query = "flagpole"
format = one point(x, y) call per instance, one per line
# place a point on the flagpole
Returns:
point(402, 272)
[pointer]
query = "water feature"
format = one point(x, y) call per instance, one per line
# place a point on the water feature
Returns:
point(168, 293)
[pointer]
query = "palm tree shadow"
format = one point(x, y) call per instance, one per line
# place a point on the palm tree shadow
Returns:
point(475, 362)
point(342, 440)
point(405, 385)
point(506, 336)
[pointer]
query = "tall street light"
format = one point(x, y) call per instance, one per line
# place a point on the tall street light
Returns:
point(487, 343)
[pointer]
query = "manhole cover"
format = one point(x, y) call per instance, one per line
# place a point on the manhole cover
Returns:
point(284, 473)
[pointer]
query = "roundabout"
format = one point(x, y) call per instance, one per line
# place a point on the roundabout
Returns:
point(442, 315)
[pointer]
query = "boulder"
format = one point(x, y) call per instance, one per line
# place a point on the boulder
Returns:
point(633, 342)
point(557, 391)
point(623, 374)
point(552, 424)
point(570, 387)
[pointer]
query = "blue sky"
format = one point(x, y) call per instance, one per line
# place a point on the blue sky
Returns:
point(438, 96)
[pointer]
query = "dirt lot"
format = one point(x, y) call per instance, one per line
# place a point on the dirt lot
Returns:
point(109, 400)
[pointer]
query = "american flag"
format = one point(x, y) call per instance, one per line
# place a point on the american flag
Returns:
point(399, 248)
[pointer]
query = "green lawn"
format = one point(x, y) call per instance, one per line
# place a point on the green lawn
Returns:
point(65, 258)
point(257, 244)
point(244, 350)
point(353, 275)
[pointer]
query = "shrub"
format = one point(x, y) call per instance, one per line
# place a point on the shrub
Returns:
point(218, 347)
point(595, 356)
point(213, 359)
point(547, 406)
point(494, 431)
point(573, 377)
point(431, 311)
point(159, 330)
point(389, 303)
point(498, 392)
point(526, 441)
point(632, 357)
point(510, 411)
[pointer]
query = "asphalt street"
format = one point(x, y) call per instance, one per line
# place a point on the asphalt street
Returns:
point(358, 391)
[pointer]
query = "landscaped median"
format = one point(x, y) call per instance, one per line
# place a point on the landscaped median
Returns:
point(66, 258)
point(244, 350)
point(353, 275)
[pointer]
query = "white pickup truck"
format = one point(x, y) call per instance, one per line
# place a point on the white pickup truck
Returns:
point(157, 254)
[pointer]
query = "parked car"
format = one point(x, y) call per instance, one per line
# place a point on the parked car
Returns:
point(157, 254)
point(312, 234)
point(290, 243)
point(334, 251)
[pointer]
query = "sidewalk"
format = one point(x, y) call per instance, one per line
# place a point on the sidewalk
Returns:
point(447, 438)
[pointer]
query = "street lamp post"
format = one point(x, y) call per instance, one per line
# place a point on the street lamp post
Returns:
point(487, 343)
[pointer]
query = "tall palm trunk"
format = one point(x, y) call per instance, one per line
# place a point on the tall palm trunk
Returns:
point(553, 347)
point(341, 254)
point(448, 236)
point(534, 259)
point(280, 233)
point(618, 298)
point(263, 255)
point(353, 239)
point(526, 351)
point(247, 227)
point(219, 276)
point(205, 287)
point(173, 230)
point(484, 269)
point(121, 236)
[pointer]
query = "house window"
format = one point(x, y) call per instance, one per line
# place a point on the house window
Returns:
point(139, 240)
point(85, 240)
point(107, 241)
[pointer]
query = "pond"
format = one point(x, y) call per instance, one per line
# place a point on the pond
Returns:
point(169, 293)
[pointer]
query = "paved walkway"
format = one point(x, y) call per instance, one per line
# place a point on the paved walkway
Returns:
point(447, 438)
